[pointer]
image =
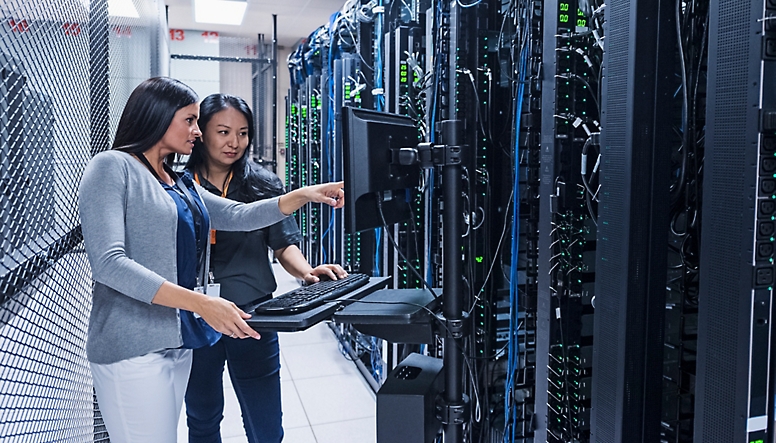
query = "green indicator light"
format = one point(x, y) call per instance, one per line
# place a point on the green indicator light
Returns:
point(479, 259)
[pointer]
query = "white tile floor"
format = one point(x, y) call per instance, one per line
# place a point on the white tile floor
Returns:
point(325, 398)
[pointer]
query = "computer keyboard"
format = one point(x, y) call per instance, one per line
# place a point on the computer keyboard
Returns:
point(307, 297)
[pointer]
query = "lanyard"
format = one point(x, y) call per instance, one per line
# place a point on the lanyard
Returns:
point(223, 195)
point(226, 186)
point(196, 212)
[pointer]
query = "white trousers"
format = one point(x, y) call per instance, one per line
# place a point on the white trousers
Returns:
point(141, 398)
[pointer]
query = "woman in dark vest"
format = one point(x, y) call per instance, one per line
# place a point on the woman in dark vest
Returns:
point(241, 264)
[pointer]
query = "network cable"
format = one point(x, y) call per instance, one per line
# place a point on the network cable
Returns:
point(513, 360)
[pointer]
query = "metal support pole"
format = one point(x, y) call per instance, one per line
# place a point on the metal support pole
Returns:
point(259, 140)
point(452, 301)
point(275, 93)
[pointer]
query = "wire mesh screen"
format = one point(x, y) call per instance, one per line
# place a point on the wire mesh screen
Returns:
point(57, 96)
point(138, 50)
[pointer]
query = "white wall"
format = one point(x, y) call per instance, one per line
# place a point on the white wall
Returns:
point(203, 76)
point(208, 77)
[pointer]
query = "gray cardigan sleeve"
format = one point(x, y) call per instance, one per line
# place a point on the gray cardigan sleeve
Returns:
point(229, 215)
point(101, 201)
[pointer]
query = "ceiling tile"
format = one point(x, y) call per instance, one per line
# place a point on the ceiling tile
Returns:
point(296, 18)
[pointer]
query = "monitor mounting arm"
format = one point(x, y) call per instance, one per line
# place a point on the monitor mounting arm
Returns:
point(427, 155)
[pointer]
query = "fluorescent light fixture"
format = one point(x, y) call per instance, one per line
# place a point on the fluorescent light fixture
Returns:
point(220, 12)
point(122, 8)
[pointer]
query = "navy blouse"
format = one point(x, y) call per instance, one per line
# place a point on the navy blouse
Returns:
point(192, 232)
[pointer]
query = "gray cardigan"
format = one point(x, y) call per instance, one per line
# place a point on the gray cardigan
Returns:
point(129, 224)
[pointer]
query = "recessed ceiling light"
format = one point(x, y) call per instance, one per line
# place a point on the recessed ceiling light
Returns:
point(221, 12)
point(122, 8)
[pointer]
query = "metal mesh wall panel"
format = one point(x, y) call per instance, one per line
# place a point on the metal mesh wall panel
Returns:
point(58, 93)
point(138, 50)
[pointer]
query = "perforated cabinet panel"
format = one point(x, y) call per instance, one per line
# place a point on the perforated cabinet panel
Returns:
point(614, 115)
point(728, 123)
point(733, 399)
point(633, 215)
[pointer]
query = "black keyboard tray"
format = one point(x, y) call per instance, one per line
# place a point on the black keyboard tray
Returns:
point(405, 318)
point(306, 319)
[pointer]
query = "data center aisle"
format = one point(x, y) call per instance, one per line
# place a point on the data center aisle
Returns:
point(325, 398)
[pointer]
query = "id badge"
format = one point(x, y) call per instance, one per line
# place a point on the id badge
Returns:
point(213, 290)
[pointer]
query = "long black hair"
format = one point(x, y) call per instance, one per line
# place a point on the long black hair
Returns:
point(257, 182)
point(149, 112)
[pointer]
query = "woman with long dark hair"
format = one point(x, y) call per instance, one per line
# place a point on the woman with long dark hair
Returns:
point(146, 236)
point(240, 263)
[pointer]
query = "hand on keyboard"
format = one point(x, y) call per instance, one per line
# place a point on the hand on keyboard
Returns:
point(311, 296)
point(325, 272)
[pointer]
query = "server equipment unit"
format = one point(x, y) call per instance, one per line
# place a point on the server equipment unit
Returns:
point(630, 286)
point(734, 392)
point(567, 225)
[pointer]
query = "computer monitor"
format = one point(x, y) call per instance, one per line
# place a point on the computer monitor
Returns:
point(371, 140)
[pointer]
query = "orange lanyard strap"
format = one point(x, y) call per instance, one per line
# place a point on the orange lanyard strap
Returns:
point(226, 186)
point(223, 194)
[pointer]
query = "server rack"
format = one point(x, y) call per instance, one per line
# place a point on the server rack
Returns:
point(570, 131)
point(632, 222)
point(734, 390)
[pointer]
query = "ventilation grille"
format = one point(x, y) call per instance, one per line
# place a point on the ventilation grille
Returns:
point(726, 217)
point(611, 218)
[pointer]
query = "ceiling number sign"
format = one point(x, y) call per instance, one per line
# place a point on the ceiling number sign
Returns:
point(19, 25)
point(210, 36)
point(72, 29)
point(177, 35)
point(122, 31)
